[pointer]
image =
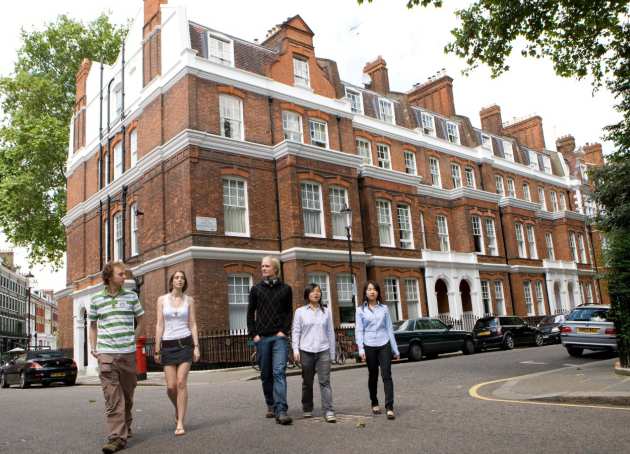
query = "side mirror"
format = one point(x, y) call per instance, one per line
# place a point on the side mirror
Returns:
point(449, 326)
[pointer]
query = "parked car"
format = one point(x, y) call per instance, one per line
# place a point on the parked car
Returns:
point(505, 332)
point(588, 328)
point(429, 337)
point(38, 366)
point(550, 327)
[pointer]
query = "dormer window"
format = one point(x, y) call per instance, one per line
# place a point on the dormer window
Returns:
point(300, 73)
point(220, 50)
point(546, 164)
point(486, 142)
point(386, 110)
point(508, 152)
point(533, 159)
point(452, 132)
point(356, 100)
point(428, 124)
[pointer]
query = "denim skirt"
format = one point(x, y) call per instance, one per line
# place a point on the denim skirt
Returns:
point(177, 351)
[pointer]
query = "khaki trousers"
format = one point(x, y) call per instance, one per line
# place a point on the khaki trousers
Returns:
point(118, 380)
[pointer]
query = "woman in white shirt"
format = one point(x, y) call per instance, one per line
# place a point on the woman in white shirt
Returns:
point(176, 343)
point(313, 342)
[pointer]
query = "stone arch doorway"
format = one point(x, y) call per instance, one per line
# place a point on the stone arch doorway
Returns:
point(441, 294)
point(556, 296)
point(571, 291)
point(464, 291)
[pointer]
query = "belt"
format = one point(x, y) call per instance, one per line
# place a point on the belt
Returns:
point(183, 342)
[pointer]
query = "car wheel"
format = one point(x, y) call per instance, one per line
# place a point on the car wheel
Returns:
point(469, 347)
point(539, 340)
point(3, 382)
point(415, 352)
point(508, 342)
point(576, 352)
point(23, 382)
point(70, 382)
point(45, 384)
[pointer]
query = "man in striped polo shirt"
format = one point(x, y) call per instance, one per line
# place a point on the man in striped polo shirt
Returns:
point(113, 341)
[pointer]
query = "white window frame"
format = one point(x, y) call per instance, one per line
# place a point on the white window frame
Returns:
point(133, 228)
point(383, 156)
point(582, 248)
point(563, 202)
point(511, 188)
point(423, 232)
point(540, 298)
point(485, 141)
point(428, 124)
point(301, 72)
point(412, 296)
point(456, 176)
point(314, 126)
point(244, 209)
point(491, 234)
point(434, 170)
point(345, 284)
point(508, 150)
point(228, 103)
point(391, 297)
point(133, 147)
point(452, 132)
point(309, 186)
point(118, 160)
point(533, 159)
point(384, 217)
point(542, 199)
point(410, 162)
point(364, 149)
point(520, 240)
point(526, 193)
point(245, 280)
point(290, 120)
point(486, 295)
point(224, 54)
point(551, 253)
point(118, 237)
point(573, 247)
point(527, 297)
point(554, 201)
point(106, 173)
point(405, 228)
point(358, 96)
point(469, 177)
point(336, 216)
point(383, 104)
point(498, 182)
point(531, 241)
point(442, 230)
point(547, 164)
point(477, 233)
point(499, 297)
point(323, 280)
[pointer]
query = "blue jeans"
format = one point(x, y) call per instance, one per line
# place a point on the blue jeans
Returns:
point(272, 356)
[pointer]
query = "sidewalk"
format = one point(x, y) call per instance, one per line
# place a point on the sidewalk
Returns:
point(213, 376)
point(594, 383)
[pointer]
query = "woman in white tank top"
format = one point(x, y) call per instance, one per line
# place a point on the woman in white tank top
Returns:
point(176, 343)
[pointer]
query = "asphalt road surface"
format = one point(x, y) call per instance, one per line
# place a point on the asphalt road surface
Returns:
point(435, 415)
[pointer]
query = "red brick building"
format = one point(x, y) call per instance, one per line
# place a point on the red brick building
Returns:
point(203, 152)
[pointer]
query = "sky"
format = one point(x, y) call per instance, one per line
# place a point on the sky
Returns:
point(411, 42)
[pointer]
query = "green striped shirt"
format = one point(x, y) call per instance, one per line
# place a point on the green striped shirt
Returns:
point(114, 317)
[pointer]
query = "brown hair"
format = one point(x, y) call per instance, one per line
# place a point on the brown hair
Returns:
point(108, 270)
point(170, 281)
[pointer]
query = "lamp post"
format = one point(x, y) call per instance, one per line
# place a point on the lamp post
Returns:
point(347, 211)
point(28, 277)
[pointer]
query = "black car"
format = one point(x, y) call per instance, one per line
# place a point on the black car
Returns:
point(38, 366)
point(550, 327)
point(429, 337)
point(505, 332)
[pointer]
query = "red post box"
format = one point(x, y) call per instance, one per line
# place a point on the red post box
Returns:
point(141, 359)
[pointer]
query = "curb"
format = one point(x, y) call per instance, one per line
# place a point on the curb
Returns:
point(298, 371)
point(621, 370)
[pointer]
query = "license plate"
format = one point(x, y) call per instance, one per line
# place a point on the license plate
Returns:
point(483, 333)
point(588, 330)
point(58, 374)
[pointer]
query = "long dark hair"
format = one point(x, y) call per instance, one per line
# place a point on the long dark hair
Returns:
point(170, 281)
point(307, 292)
point(377, 287)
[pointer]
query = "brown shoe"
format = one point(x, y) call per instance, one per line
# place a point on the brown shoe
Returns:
point(270, 413)
point(114, 446)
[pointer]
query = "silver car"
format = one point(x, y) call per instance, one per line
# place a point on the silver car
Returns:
point(588, 328)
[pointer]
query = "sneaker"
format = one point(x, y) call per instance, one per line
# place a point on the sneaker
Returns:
point(330, 417)
point(308, 414)
point(376, 410)
point(390, 414)
point(284, 420)
point(114, 446)
point(270, 413)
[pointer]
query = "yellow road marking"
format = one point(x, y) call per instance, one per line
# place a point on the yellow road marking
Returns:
point(474, 392)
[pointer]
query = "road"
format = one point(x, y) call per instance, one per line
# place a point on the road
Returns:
point(435, 415)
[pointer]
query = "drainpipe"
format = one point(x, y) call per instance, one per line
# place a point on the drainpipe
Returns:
point(275, 175)
point(506, 261)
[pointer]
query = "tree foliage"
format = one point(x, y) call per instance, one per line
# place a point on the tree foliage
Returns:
point(37, 102)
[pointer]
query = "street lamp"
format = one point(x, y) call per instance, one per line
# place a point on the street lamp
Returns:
point(28, 277)
point(347, 211)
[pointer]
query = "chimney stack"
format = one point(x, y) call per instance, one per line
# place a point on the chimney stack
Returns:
point(491, 120)
point(151, 50)
point(435, 95)
point(377, 70)
point(593, 154)
point(528, 132)
point(80, 104)
point(566, 144)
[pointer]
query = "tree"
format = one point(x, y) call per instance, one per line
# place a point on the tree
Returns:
point(582, 38)
point(37, 101)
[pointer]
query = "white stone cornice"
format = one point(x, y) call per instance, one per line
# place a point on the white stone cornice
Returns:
point(63, 293)
point(494, 267)
point(390, 175)
point(329, 255)
point(454, 194)
point(518, 203)
point(526, 269)
point(308, 151)
point(526, 171)
point(398, 262)
point(555, 215)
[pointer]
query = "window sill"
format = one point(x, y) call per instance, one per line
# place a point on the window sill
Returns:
point(237, 234)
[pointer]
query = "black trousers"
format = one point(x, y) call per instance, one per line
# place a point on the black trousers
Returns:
point(375, 357)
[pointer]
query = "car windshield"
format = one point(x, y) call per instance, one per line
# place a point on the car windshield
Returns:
point(45, 355)
point(485, 323)
point(547, 320)
point(405, 325)
point(588, 314)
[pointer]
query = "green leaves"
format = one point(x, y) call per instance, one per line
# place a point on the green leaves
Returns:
point(38, 102)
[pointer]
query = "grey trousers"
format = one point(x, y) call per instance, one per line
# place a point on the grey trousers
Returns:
point(320, 363)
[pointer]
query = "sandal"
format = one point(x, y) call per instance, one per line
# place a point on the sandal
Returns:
point(180, 431)
point(376, 410)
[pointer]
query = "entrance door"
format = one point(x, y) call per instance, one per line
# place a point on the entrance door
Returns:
point(441, 293)
point(464, 291)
